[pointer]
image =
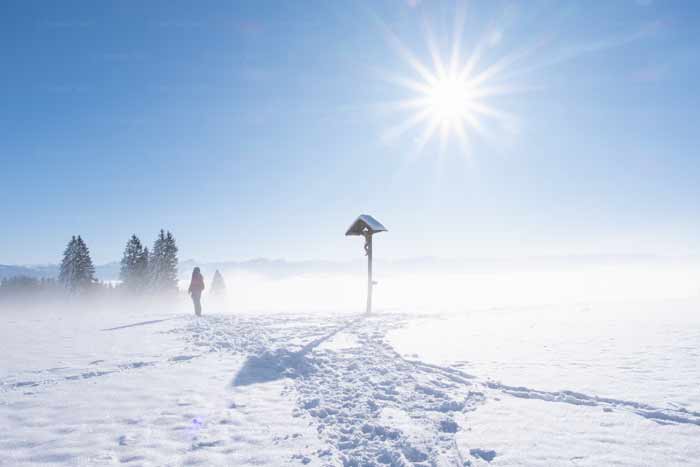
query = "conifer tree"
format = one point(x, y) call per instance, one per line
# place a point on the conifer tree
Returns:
point(218, 286)
point(77, 271)
point(163, 263)
point(85, 268)
point(143, 268)
point(66, 274)
point(134, 265)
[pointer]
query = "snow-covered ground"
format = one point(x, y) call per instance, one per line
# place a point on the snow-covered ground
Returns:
point(644, 352)
point(596, 384)
point(601, 384)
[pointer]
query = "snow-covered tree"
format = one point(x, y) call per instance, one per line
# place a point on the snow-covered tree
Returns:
point(218, 286)
point(163, 263)
point(134, 265)
point(77, 272)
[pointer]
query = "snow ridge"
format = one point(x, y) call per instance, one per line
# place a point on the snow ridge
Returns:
point(659, 415)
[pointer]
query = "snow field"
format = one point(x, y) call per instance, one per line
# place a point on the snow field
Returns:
point(510, 387)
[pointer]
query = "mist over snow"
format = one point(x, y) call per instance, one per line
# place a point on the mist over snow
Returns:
point(432, 284)
point(463, 362)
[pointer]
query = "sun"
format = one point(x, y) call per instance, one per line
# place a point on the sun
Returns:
point(451, 98)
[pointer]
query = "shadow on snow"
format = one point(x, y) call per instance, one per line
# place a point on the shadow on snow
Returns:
point(282, 363)
point(142, 323)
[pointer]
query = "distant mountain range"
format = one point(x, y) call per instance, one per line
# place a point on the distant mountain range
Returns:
point(267, 267)
point(39, 272)
point(279, 268)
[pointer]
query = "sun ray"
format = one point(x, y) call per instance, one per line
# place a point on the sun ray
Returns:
point(480, 92)
point(471, 62)
point(427, 134)
point(440, 72)
point(408, 56)
point(401, 106)
point(475, 124)
point(407, 83)
point(396, 131)
point(450, 95)
point(462, 137)
point(489, 111)
point(458, 32)
point(501, 65)
point(444, 135)
point(416, 102)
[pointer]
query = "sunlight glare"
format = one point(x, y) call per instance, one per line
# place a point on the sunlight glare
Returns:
point(448, 99)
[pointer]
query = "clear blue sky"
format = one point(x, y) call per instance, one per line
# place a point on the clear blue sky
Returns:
point(262, 128)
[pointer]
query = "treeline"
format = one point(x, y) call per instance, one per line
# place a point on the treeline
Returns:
point(25, 288)
point(142, 271)
point(154, 271)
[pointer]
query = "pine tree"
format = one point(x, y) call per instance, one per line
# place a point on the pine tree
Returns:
point(218, 286)
point(85, 271)
point(142, 268)
point(67, 271)
point(77, 271)
point(134, 265)
point(163, 263)
point(170, 262)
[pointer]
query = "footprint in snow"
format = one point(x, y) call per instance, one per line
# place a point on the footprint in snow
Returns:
point(486, 454)
point(183, 358)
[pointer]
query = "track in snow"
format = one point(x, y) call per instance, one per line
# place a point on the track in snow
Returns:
point(368, 403)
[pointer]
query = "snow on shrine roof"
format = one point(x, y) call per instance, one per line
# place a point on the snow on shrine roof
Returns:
point(365, 221)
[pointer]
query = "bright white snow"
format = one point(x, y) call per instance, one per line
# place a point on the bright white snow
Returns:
point(603, 383)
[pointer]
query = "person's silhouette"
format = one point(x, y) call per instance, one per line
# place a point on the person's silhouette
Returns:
point(195, 290)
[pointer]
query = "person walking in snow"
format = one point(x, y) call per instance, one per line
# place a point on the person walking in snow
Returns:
point(195, 290)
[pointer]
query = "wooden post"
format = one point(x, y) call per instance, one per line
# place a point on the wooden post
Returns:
point(368, 249)
point(367, 226)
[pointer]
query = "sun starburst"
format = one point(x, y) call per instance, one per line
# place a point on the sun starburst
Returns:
point(451, 98)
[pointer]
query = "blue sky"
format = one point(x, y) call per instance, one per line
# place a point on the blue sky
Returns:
point(263, 128)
